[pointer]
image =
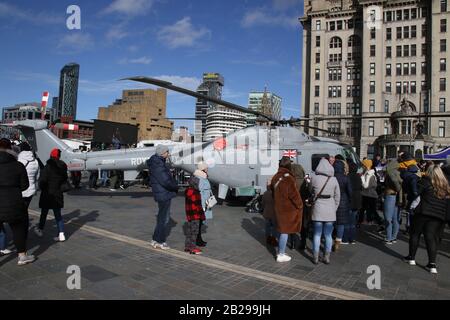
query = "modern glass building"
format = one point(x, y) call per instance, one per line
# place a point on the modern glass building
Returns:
point(265, 102)
point(68, 91)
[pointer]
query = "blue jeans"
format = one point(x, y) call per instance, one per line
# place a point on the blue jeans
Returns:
point(350, 229)
point(160, 233)
point(58, 218)
point(340, 228)
point(3, 243)
point(325, 228)
point(104, 178)
point(282, 243)
point(391, 217)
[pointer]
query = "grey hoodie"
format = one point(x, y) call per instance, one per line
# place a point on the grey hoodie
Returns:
point(325, 209)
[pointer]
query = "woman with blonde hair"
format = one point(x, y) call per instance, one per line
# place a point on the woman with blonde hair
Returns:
point(430, 215)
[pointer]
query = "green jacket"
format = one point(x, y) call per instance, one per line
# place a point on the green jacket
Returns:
point(393, 182)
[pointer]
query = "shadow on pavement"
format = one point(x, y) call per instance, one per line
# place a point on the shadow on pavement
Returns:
point(108, 193)
point(372, 239)
point(256, 228)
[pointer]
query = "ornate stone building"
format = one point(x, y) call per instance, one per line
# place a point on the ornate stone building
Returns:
point(145, 108)
point(380, 59)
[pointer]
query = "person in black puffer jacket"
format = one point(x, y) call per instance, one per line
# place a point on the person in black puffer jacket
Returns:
point(430, 215)
point(355, 203)
point(343, 218)
point(52, 178)
point(14, 180)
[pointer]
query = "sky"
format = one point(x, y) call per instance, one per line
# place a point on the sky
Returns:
point(252, 43)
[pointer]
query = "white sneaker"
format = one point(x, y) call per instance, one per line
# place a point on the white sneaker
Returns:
point(154, 244)
point(38, 232)
point(23, 260)
point(163, 246)
point(61, 237)
point(5, 252)
point(283, 258)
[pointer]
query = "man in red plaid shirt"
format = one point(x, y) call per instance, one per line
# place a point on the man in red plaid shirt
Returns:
point(194, 214)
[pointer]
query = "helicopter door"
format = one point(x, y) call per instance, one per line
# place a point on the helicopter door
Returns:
point(315, 159)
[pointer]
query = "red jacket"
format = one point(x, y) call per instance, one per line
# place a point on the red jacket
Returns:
point(193, 205)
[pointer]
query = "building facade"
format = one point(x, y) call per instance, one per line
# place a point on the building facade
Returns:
point(26, 111)
point(211, 86)
point(145, 108)
point(181, 134)
point(68, 91)
point(371, 64)
point(265, 102)
point(221, 120)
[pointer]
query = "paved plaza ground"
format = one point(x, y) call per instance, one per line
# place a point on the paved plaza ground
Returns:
point(108, 238)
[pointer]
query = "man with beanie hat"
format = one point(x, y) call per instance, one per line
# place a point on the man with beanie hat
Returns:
point(164, 188)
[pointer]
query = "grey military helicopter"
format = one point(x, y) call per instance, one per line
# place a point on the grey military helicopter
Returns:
point(240, 162)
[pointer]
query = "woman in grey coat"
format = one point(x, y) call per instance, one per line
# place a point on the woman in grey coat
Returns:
point(324, 208)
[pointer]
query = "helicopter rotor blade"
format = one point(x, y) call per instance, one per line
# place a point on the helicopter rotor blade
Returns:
point(170, 86)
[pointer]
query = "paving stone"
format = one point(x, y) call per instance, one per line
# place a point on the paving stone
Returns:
point(95, 273)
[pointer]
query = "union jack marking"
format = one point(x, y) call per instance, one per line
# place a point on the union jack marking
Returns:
point(290, 153)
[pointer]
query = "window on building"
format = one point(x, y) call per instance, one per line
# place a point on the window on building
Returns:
point(413, 50)
point(406, 50)
point(336, 42)
point(413, 87)
point(372, 68)
point(405, 87)
point(372, 33)
point(317, 74)
point(349, 91)
point(339, 25)
point(316, 108)
point(405, 126)
point(443, 65)
point(386, 106)
point(372, 86)
point(388, 52)
point(386, 127)
point(388, 33)
point(316, 91)
point(413, 13)
point(443, 5)
point(371, 128)
point(372, 106)
point(388, 70)
point(442, 84)
point(424, 49)
point(406, 32)
point(399, 32)
point(443, 25)
point(332, 25)
point(318, 25)
point(399, 15)
point(424, 30)
point(443, 45)
point(423, 85)
point(398, 68)
point(424, 12)
point(372, 50)
point(441, 129)
point(350, 24)
point(388, 87)
point(398, 87)
point(442, 105)
point(406, 69)
point(424, 67)
point(426, 104)
point(389, 16)
point(317, 57)
point(413, 68)
point(399, 51)
point(406, 14)
point(413, 32)
point(317, 41)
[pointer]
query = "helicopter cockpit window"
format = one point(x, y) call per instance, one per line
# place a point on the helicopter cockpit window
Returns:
point(349, 154)
point(315, 159)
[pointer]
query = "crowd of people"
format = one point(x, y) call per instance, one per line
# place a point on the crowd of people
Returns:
point(337, 199)
point(326, 206)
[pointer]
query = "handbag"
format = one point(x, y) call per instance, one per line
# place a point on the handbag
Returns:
point(312, 199)
point(65, 186)
point(211, 202)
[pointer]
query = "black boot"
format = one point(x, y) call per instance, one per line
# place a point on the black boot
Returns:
point(200, 241)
